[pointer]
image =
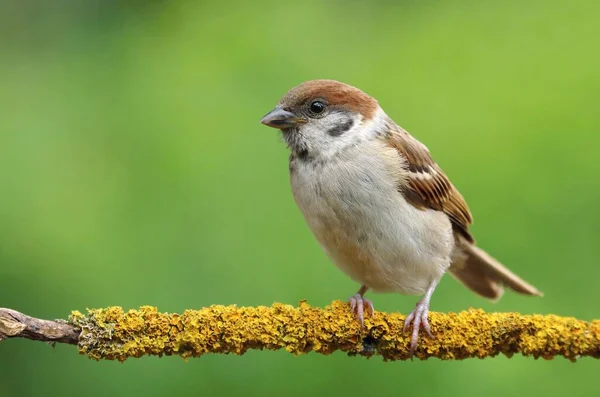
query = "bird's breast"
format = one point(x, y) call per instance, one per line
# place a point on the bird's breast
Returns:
point(354, 208)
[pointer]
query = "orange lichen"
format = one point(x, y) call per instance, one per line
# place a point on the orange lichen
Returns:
point(114, 334)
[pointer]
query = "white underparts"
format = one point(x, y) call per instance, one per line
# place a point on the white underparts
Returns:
point(352, 204)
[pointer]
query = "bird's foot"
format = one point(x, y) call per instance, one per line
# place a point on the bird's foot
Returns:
point(358, 304)
point(418, 318)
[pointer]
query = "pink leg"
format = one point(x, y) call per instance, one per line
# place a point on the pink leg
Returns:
point(358, 303)
point(419, 316)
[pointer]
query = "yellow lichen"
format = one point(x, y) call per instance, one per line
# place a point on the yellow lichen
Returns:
point(114, 334)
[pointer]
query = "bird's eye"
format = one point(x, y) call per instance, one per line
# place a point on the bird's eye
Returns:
point(317, 107)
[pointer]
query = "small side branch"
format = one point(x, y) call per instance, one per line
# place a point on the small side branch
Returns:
point(113, 334)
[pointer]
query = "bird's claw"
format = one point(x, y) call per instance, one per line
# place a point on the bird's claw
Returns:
point(358, 304)
point(417, 318)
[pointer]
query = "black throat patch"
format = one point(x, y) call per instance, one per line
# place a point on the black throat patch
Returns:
point(341, 128)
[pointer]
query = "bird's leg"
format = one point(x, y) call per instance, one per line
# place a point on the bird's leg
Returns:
point(358, 304)
point(418, 317)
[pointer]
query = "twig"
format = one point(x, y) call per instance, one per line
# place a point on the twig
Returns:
point(113, 334)
point(18, 325)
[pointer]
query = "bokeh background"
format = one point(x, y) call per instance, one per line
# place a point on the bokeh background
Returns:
point(133, 171)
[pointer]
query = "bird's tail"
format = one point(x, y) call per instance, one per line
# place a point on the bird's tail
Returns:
point(483, 274)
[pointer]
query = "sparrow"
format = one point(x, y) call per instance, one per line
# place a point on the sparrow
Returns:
point(378, 204)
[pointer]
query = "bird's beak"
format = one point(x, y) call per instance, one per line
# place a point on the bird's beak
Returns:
point(281, 119)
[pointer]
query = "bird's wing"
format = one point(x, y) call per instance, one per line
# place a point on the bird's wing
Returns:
point(428, 186)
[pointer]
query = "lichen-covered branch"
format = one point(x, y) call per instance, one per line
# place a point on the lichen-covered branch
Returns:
point(113, 334)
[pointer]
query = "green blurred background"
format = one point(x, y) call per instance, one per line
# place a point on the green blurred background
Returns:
point(133, 170)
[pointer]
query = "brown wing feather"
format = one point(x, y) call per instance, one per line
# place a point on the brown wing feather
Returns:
point(428, 186)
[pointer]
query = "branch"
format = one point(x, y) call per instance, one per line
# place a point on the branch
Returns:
point(113, 334)
point(18, 325)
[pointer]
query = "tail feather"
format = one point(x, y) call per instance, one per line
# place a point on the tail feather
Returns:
point(483, 274)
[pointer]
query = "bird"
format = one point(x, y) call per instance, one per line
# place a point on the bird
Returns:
point(378, 204)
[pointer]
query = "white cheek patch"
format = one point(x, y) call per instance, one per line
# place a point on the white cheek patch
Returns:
point(327, 136)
